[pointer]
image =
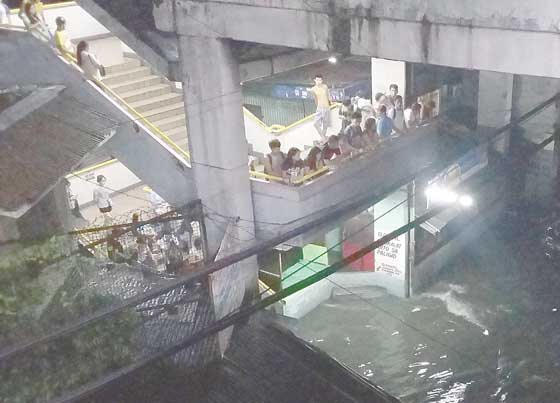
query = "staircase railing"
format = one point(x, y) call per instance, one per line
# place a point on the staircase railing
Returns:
point(138, 116)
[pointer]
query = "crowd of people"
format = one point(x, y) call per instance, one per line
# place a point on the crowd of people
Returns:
point(33, 17)
point(363, 126)
point(171, 246)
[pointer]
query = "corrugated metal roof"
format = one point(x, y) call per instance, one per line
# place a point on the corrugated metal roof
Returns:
point(37, 149)
point(265, 363)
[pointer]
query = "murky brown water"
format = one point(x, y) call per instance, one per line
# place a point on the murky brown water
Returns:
point(488, 331)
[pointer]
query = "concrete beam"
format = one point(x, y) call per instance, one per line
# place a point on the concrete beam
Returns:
point(510, 36)
point(259, 23)
point(515, 15)
point(506, 51)
point(278, 64)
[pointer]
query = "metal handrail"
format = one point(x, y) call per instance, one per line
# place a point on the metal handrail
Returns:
point(72, 60)
point(141, 117)
point(160, 133)
point(279, 129)
point(311, 175)
point(298, 181)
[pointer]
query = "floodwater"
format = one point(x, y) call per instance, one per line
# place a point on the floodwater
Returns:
point(487, 331)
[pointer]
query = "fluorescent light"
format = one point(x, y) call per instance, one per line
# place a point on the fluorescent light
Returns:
point(332, 60)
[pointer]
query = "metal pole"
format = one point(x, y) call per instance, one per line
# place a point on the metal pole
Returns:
point(410, 189)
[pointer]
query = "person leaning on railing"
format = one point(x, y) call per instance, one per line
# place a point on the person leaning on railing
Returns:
point(314, 160)
point(274, 160)
point(331, 150)
point(370, 132)
point(293, 167)
point(353, 140)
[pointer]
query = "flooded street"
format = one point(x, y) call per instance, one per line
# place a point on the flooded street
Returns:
point(487, 331)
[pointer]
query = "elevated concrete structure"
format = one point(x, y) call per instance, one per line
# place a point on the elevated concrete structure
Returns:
point(145, 154)
point(505, 36)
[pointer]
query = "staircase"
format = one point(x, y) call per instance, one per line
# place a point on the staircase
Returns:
point(150, 95)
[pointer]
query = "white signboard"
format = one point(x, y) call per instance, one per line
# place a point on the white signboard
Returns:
point(390, 259)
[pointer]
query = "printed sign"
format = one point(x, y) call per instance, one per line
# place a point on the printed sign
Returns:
point(391, 257)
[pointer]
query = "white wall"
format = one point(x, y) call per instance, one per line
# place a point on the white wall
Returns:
point(386, 72)
point(118, 178)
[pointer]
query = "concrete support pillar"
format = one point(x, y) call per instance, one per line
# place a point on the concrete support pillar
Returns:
point(217, 144)
point(333, 240)
point(556, 159)
point(519, 164)
point(495, 97)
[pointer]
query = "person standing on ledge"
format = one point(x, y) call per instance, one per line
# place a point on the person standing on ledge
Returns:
point(322, 116)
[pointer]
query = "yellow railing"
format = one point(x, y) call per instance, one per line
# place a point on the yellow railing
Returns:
point(311, 175)
point(279, 129)
point(49, 6)
point(144, 120)
point(138, 115)
point(296, 182)
point(71, 59)
point(262, 175)
point(92, 168)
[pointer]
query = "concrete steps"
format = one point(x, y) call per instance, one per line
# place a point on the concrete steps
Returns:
point(130, 63)
point(179, 137)
point(136, 84)
point(159, 101)
point(166, 111)
point(152, 96)
point(145, 93)
point(170, 123)
point(120, 76)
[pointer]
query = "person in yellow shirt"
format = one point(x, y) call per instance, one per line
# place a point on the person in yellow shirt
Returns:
point(322, 116)
point(63, 45)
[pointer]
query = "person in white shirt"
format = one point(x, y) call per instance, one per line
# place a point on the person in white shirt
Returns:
point(5, 17)
point(88, 62)
point(101, 195)
point(412, 116)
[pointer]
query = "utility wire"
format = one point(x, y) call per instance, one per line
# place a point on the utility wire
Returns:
point(307, 264)
point(462, 355)
point(231, 319)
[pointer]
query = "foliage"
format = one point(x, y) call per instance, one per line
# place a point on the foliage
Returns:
point(51, 370)
point(20, 292)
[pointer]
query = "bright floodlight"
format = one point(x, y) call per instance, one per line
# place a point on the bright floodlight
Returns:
point(333, 60)
point(466, 201)
point(439, 194)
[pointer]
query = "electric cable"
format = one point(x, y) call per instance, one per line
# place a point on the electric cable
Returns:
point(462, 355)
point(302, 267)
